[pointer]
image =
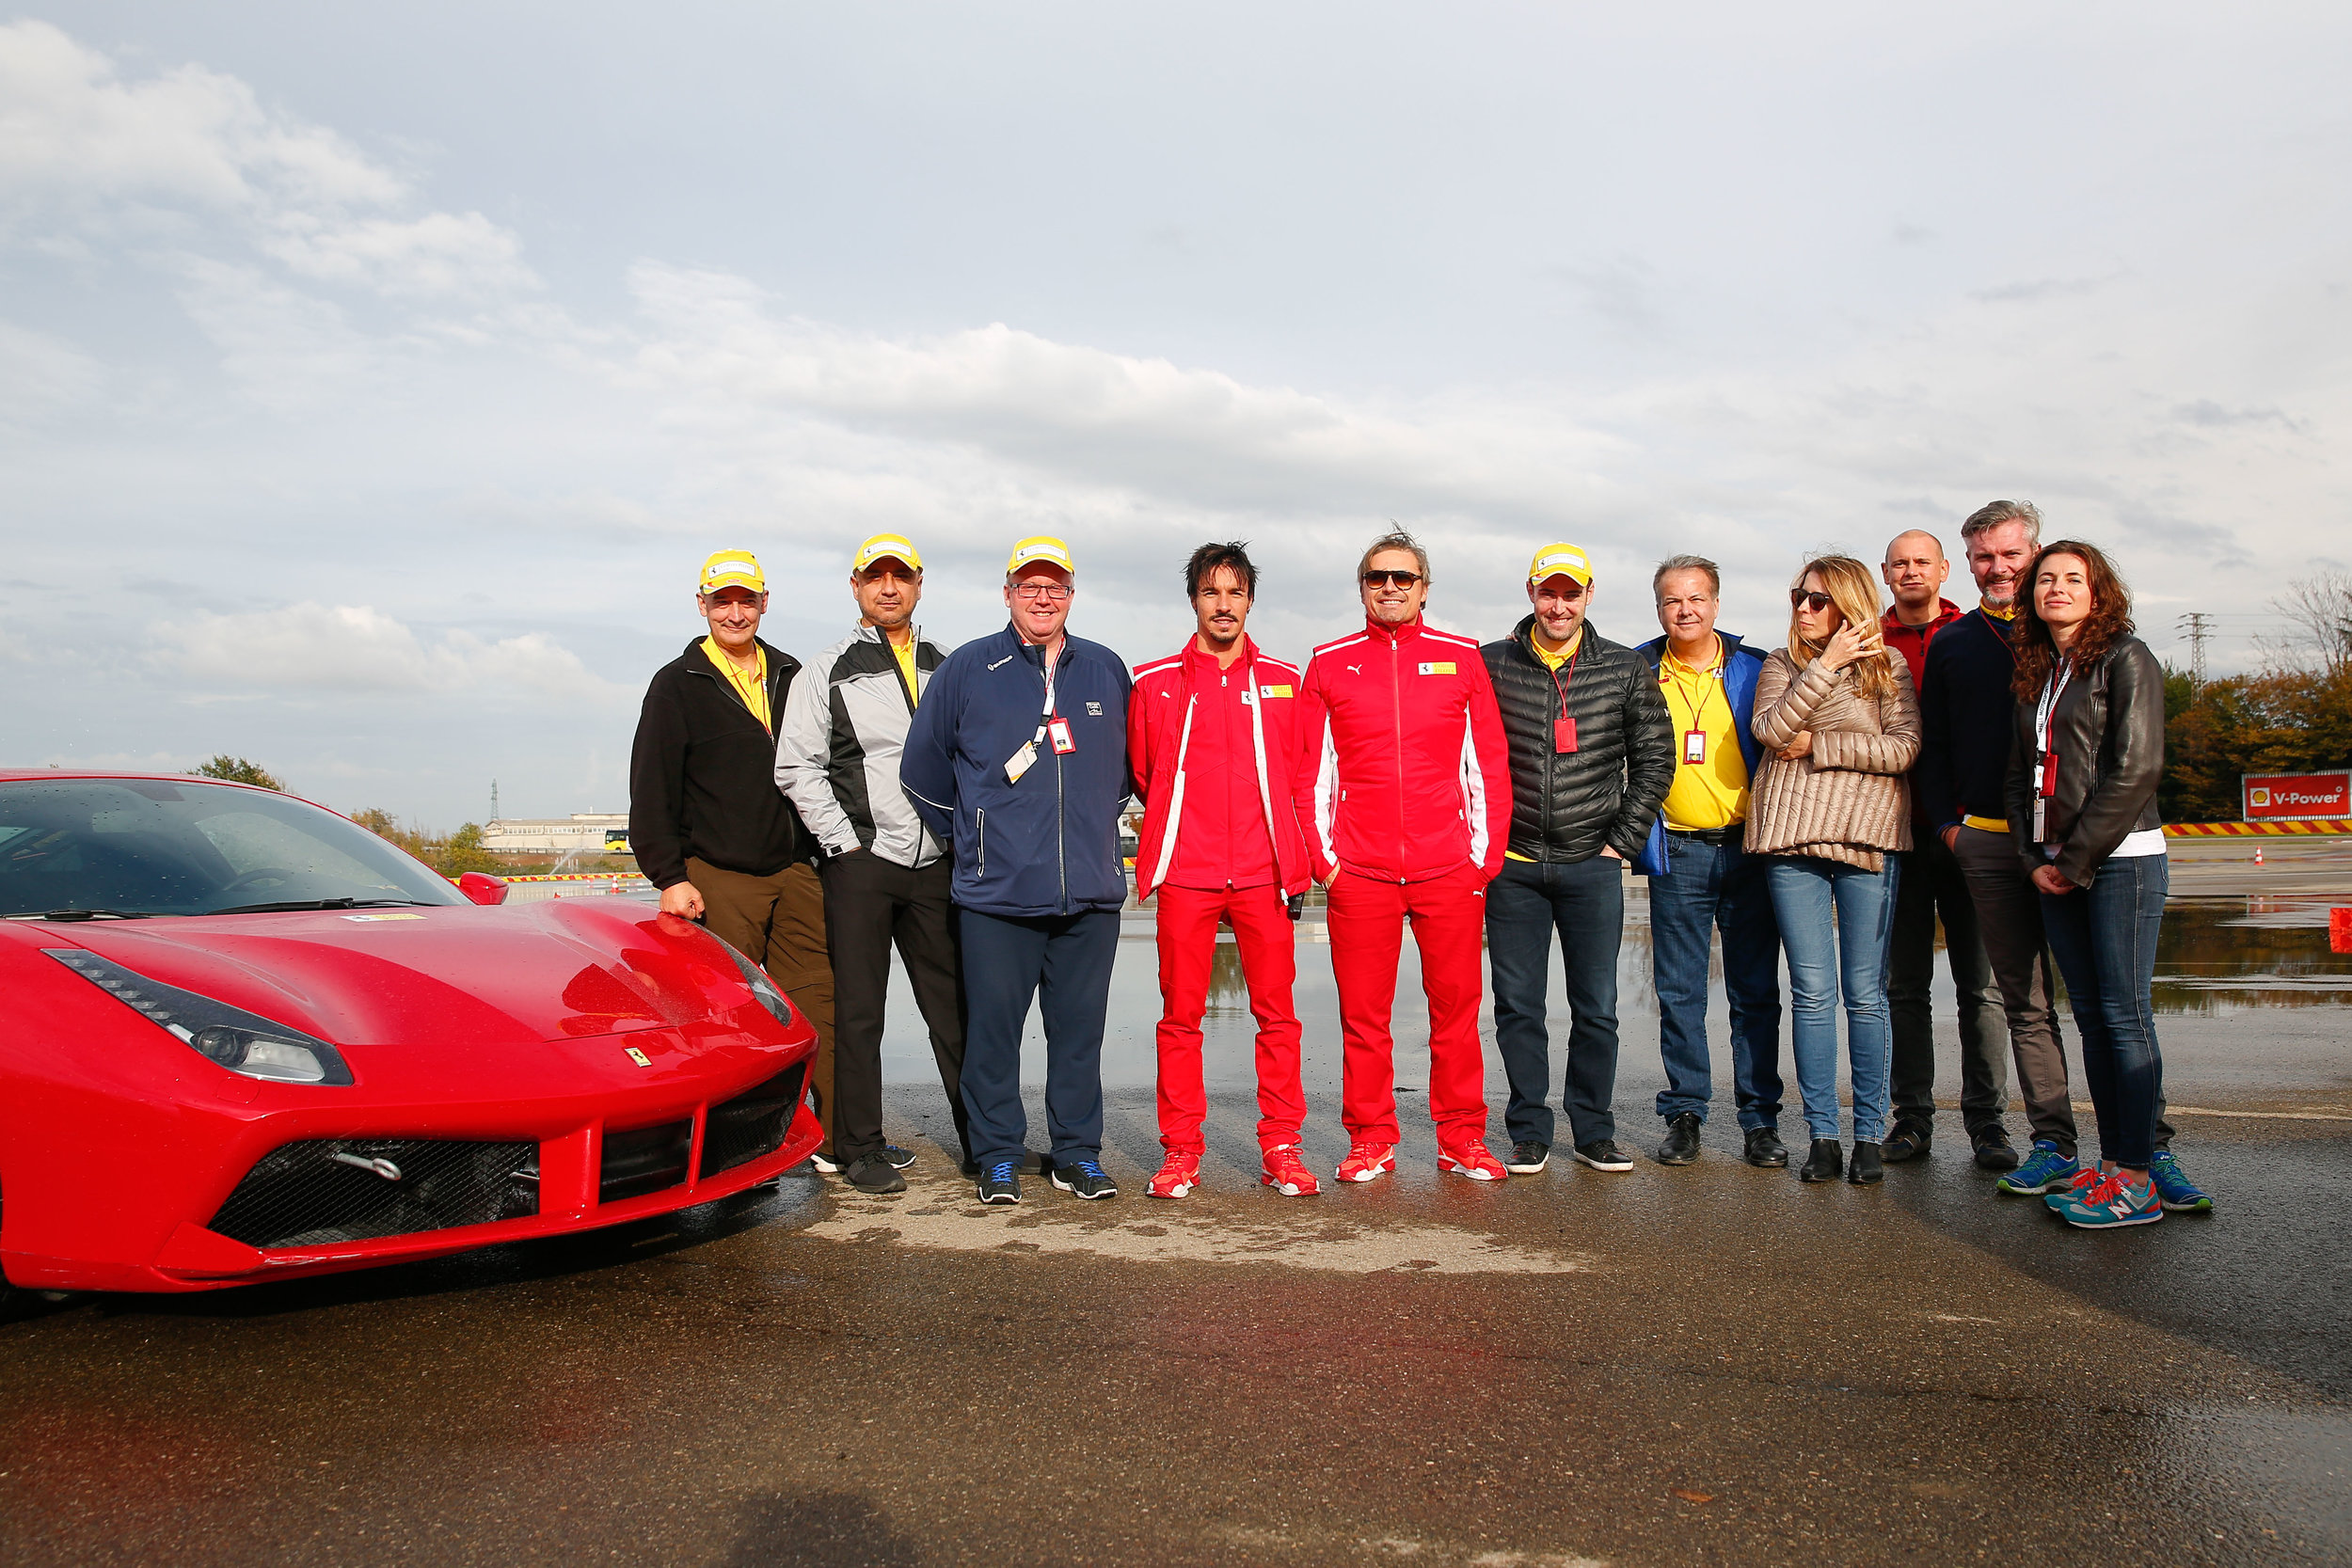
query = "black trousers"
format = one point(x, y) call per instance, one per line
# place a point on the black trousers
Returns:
point(871, 905)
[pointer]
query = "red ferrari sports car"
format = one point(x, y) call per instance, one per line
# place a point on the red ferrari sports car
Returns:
point(244, 1039)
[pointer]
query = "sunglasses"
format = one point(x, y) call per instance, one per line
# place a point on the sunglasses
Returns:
point(1398, 579)
point(1800, 600)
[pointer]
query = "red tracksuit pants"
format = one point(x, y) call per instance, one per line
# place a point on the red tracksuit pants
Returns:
point(1269, 965)
point(1449, 918)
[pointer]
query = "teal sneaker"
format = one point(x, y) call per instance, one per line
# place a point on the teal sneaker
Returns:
point(2173, 1185)
point(2044, 1170)
point(2116, 1202)
point(2073, 1187)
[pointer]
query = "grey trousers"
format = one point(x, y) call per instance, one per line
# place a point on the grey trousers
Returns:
point(1933, 887)
point(2009, 917)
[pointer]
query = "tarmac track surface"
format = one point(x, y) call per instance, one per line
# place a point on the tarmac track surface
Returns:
point(1710, 1364)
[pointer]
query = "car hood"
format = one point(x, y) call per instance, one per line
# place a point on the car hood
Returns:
point(455, 975)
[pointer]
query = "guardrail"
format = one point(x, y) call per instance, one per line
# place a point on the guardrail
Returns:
point(2315, 826)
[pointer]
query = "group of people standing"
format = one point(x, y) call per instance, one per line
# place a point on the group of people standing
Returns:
point(1831, 800)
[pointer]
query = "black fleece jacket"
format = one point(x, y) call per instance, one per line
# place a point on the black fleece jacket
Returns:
point(1567, 806)
point(701, 775)
point(1965, 713)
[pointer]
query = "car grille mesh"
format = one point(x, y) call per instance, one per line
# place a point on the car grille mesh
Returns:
point(302, 1195)
point(753, 1123)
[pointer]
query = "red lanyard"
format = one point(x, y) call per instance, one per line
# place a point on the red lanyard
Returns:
point(1562, 726)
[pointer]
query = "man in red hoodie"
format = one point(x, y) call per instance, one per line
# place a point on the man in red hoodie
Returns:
point(1213, 740)
point(1931, 885)
point(1404, 791)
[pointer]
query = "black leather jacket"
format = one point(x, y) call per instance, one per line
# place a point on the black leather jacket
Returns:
point(1565, 806)
point(2109, 734)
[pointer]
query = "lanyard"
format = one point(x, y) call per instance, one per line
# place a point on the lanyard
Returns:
point(1561, 686)
point(1711, 681)
point(2046, 716)
point(1046, 717)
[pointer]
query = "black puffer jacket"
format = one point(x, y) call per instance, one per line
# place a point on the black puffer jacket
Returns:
point(2109, 734)
point(1565, 806)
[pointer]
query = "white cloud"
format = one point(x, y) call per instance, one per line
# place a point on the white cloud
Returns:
point(43, 374)
point(443, 253)
point(346, 649)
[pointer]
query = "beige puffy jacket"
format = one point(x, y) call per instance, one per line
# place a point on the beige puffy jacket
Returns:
point(1849, 801)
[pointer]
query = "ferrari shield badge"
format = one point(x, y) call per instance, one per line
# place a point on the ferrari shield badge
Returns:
point(638, 1056)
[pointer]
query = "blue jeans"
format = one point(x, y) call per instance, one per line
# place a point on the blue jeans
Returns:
point(1708, 886)
point(1585, 903)
point(2104, 937)
point(1063, 962)
point(1835, 920)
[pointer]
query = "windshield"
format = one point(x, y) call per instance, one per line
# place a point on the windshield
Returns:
point(153, 847)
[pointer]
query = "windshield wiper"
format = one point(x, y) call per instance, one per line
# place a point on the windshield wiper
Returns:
point(317, 904)
point(90, 914)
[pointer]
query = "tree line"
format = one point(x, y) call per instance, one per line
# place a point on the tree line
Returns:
point(2292, 716)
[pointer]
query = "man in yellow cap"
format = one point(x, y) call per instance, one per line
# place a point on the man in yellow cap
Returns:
point(705, 819)
point(886, 877)
point(1017, 759)
point(1592, 754)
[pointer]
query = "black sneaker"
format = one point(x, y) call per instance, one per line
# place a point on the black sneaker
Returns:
point(1604, 1154)
point(1001, 1182)
point(1765, 1150)
point(1527, 1158)
point(900, 1158)
point(1084, 1179)
point(1994, 1151)
point(1682, 1140)
point(874, 1173)
point(1909, 1141)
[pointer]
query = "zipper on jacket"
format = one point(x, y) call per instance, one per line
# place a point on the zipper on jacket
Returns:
point(1396, 711)
point(981, 835)
point(1543, 824)
point(1061, 857)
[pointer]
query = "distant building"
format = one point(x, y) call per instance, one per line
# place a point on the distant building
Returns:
point(590, 835)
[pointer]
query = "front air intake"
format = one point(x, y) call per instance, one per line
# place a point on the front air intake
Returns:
point(327, 1190)
point(753, 1123)
point(643, 1160)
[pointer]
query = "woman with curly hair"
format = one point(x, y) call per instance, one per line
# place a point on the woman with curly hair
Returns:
point(2082, 786)
point(1840, 727)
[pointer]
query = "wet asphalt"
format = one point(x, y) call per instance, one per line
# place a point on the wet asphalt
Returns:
point(1711, 1364)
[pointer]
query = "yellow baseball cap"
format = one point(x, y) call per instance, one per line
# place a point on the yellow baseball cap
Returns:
point(1043, 548)
point(732, 569)
point(886, 546)
point(1554, 560)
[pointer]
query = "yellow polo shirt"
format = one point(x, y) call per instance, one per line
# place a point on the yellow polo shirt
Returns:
point(1712, 793)
point(752, 688)
point(905, 655)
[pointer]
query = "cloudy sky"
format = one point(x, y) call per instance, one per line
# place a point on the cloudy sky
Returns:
point(373, 379)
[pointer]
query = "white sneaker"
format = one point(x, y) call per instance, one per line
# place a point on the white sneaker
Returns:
point(824, 1166)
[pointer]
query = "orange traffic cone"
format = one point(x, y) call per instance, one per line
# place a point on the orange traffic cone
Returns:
point(2258, 854)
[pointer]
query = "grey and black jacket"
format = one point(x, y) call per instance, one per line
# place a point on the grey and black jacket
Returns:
point(837, 750)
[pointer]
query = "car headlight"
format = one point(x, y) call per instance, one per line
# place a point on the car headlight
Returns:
point(230, 1037)
point(779, 1006)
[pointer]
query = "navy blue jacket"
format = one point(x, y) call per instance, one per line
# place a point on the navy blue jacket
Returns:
point(1049, 844)
point(1967, 715)
point(1742, 666)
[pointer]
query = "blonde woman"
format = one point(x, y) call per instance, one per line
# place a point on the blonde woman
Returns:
point(1840, 724)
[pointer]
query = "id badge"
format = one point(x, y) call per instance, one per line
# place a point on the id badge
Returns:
point(1019, 761)
point(1060, 729)
point(1694, 746)
point(1563, 735)
point(2041, 813)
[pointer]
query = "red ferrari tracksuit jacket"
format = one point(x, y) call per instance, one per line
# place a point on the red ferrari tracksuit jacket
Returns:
point(1404, 787)
point(1215, 754)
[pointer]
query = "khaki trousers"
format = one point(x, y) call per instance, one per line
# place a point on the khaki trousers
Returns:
point(778, 922)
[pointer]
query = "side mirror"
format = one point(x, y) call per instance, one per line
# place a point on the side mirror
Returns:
point(482, 887)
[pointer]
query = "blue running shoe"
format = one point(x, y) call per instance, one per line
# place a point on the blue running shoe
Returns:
point(2114, 1203)
point(1084, 1179)
point(2073, 1187)
point(2044, 1170)
point(2173, 1185)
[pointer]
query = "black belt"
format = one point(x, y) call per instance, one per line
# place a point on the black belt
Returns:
point(1708, 835)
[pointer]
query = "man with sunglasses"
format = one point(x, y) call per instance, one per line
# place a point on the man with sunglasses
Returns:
point(1404, 787)
point(1017, 759)
point(1591, 757)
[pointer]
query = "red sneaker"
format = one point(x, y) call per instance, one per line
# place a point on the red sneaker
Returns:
point(1473, 1160)
point(1286, 1174)
point(1368, 1162)
point(1179, 1175)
